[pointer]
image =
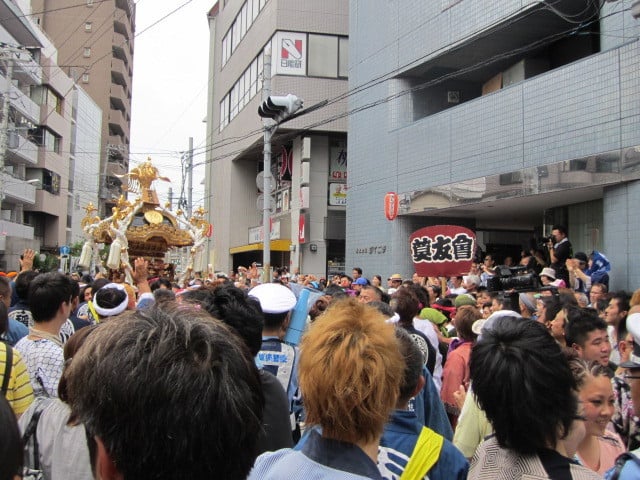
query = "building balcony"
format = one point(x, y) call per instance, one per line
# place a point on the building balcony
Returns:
point(120, 73)
point(116, 167)
point(50, 160)
point(48, 203)
point(10, 229)
point(27, 70)
point(21, 150)
point(117, 122)
point(127, 5)
point(121, 49)
point(17, 190)
point(123, 26)
point(119, 97)
point(117, 142)
point(21, 102)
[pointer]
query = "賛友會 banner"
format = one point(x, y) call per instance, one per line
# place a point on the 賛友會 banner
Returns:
point(442, 250)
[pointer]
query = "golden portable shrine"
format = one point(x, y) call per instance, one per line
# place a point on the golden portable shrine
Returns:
point(142, 228)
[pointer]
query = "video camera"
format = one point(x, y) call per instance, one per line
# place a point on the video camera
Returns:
point(517, 278)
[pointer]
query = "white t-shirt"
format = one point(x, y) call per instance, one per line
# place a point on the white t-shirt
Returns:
point(426, 327)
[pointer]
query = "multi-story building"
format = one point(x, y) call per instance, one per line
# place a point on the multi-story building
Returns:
point(19, 70)
point(309, 43)
point(95, 43)
point(84, 167)
point(506, 117)
point(45, 120)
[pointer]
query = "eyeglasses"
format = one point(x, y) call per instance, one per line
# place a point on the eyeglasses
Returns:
point(628, 376)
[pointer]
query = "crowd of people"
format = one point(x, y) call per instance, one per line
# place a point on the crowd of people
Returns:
point(438, 378)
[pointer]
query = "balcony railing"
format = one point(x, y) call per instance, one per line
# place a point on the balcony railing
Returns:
point(18, 190)
point(22, 150)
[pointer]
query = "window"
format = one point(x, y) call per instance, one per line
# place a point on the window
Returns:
point(85, 78)
point(343, 57)
point(233, 107)
point(88, 26)
point(253, 78)
point(323, 56)
point(87, 52)
point(226, 48)
point(235, 36)
point(53, 100)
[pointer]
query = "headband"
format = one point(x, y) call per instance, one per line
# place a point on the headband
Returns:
point(110, 312)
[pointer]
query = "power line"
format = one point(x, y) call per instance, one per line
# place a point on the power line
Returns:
point(51, 10)
point(288, 135)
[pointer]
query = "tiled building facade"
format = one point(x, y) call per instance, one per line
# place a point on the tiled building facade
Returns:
point(506, 117)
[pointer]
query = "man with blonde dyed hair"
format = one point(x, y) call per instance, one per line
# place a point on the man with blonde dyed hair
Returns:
point(350, 372)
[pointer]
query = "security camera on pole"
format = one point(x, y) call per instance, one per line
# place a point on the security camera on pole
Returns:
point(274, 110)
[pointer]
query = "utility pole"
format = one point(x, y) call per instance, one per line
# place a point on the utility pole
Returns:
point(273, 110)
point(268, 132)
point(190, 179)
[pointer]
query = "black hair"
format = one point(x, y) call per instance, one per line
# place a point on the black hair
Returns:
point(161, 295)
point(406, 304)
point(383, 308)
point(97, 284)
point(421, 293)
point(178, 379)
point(517, 371)
point(159, 283)
point(334, 291)
point(581, 325)
point(23, 280)
point(110, 297)
point(622, 298)
point(241, 312)
point(414, 363)
point(561, 228)
point(4, 318)
point(46, 293)
point(5, 287)
point(11, 454)
point(358, 269)
point(552, 307)
point(75, 289)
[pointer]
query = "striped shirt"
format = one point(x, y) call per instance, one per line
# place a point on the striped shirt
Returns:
point(19, 391)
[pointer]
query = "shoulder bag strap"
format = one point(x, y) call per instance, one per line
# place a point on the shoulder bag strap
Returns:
point(424, 456)
point(31, 432)
point(7, 368)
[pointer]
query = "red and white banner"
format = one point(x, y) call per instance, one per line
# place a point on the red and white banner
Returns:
point(442, 250)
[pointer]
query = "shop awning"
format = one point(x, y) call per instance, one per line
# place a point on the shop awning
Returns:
point(276, 246)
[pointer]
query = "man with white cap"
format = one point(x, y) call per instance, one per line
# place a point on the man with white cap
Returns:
point(275, 356)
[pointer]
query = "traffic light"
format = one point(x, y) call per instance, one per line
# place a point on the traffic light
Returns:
point(280, 108)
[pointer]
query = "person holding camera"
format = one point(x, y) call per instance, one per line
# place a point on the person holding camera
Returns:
point(559, 251)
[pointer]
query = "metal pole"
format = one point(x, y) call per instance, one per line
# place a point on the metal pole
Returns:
point(4, 124)
point(268, 131)
point(190, 179)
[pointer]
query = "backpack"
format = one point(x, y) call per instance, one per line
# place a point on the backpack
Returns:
point(627, 467)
